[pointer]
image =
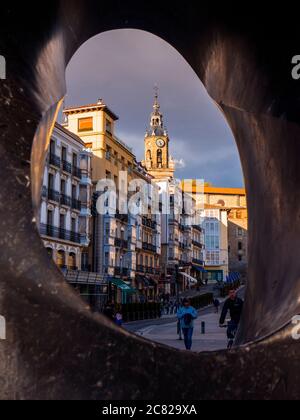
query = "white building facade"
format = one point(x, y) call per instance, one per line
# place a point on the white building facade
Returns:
point(66, 201)
point(215, 225)
point(183, 250)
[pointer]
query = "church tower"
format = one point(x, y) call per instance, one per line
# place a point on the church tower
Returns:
point(158, 161)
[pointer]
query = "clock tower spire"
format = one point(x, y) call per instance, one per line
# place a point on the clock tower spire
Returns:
point(157, 159)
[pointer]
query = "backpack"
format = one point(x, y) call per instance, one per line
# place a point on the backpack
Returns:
point(187, 319)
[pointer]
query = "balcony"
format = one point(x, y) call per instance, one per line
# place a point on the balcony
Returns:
point(65, 200)
point(58, 233)
point(185, 264)
point(53, 195)
point(54, 160)
point(76, 172)
point(181, 245)
point(149, 247)
point(121, 243)
point(197, 244)
point(76, 204)
point(67, 167)
point(198, 227)
point(149, 223)
point(198, 262)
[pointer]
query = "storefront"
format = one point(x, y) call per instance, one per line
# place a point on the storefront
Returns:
point(119, 291)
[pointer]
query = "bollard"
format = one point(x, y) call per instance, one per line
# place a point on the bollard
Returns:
point(2, 328)
point(203, 328)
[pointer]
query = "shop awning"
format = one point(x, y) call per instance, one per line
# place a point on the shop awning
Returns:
point(199, 268)
point(233, 277)
point(190, 278)
point(120, 284)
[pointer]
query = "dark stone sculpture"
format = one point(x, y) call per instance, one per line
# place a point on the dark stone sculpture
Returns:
point(56, 348)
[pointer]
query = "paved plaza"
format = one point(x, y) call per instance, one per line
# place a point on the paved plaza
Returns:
point(214, 339)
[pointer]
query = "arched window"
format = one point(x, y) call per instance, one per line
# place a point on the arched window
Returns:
point(50, 252)
point(61, 259)
point(72, 262)
point(159, 157)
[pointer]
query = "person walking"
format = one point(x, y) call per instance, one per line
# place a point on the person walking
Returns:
point(235, 307)
point(187, 315)
point(216, 303)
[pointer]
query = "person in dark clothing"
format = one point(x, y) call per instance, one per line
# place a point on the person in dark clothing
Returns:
point(235, 307)
point(216, 304)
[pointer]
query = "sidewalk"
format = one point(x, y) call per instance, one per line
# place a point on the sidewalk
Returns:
point(214, 339)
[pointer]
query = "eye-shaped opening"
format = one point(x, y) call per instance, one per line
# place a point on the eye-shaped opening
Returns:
point(129, 268)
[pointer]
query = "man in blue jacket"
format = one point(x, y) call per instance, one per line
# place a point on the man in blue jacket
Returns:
point(187, 315)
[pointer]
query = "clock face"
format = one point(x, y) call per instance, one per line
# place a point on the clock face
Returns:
point(161, 143)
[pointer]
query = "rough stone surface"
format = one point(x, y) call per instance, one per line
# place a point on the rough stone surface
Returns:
point(55, 348)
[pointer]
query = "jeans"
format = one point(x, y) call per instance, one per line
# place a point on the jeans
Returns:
point(232, 330)
point(188, 337)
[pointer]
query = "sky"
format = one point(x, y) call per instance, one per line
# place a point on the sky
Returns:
point(122, 67)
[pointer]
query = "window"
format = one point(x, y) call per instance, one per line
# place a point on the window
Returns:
point(52, 147)
point(50, 218)
point(75, 160)
point(74, 192)
point(116, 157)
point(64, 154)
point(240, 246)
point(159, 157)
point(240, 232)
point(240, 258)
point(51, 182)
point(62, 221)
point(63, 186)
point(85, 124)
point(108, 153)
point(123, 163)
point(73, 224)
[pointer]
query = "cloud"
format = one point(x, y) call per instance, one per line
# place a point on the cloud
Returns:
point(122, 67)
point(180, 164)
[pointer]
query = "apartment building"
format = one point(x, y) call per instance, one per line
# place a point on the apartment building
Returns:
point(125, 246)
point(183, 250)
point(65, 216)
point(234, 201)
point(215, 225)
